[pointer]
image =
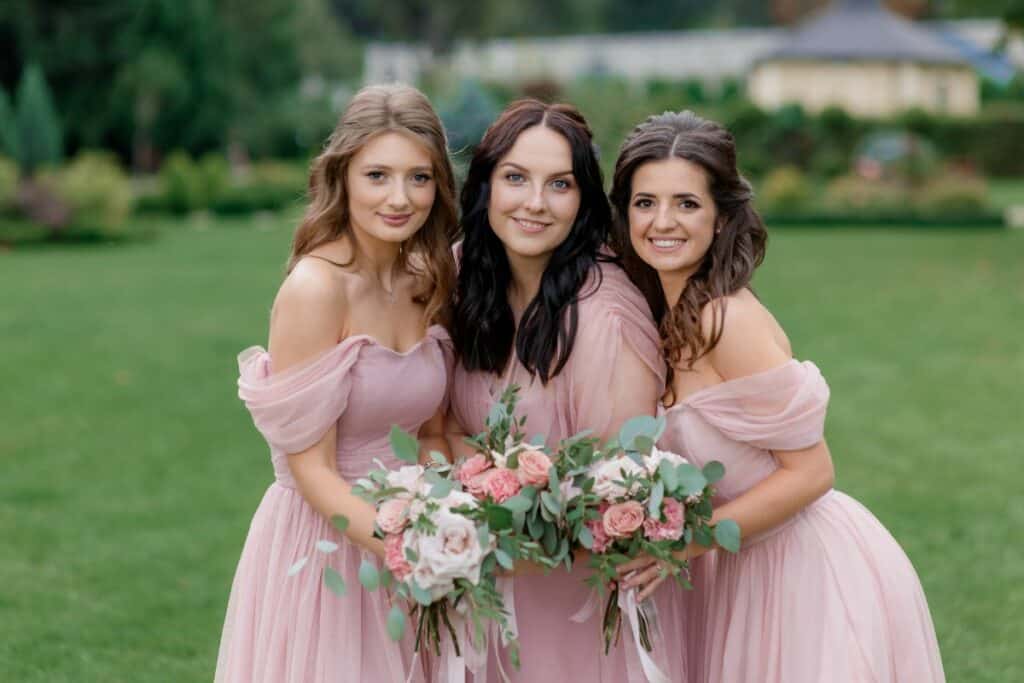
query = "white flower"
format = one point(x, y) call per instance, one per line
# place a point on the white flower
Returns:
point(654, 459)
point(409, 478)
point(452, 552)
point(458, 499)
point(426, 579)
point(569, 490)
point(609, 474)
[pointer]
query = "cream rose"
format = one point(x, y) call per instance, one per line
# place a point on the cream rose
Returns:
point(653, 460)
point(622, 519)
point(453, 551)
point(608, 477)
point(409, 478)
point(533, 468)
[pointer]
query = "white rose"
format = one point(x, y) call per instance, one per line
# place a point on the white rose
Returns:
point(609, 474)
point(569, 490)
point(426, 579)
point(409, 478)
point(458, 499)
point(454, 550)
point(654, 459)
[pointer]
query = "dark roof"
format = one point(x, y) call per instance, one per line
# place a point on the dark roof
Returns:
point(863, 30)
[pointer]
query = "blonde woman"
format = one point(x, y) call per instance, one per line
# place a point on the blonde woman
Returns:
point(359, 314)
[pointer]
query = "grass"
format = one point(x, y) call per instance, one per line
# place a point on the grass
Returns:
point(132, 471)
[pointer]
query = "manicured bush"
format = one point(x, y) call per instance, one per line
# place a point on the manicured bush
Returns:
point(953, 194)
point(785, 189)
point(266, 186)
point(98, 193)
point(853, 194)
point(39, 137)
point(182, 184)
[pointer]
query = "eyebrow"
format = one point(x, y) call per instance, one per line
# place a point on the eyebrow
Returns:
point(678, 195)
point(522, 168)
point(385, 167)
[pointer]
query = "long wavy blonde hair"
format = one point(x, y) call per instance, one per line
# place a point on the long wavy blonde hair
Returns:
point(375, 110)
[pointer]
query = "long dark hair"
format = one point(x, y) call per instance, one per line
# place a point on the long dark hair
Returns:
point(737, 247)
point(483, 327)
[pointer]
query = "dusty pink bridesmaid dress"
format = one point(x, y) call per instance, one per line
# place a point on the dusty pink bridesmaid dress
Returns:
point(616, 346)
point(282, 629)
point(828, 596)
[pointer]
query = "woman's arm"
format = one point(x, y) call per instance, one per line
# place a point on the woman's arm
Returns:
point(751, 342)
point(432, 437)
point(308, 319)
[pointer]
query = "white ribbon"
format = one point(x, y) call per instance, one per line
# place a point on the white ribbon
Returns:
point(627, 603)
point(588, 609)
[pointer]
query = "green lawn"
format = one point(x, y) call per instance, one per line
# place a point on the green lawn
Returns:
point(132, 470)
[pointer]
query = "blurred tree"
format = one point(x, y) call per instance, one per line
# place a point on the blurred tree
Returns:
point(38, 129)
point(8, 136)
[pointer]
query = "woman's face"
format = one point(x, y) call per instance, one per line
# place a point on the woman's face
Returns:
point(391, 187)
point(672, 216)
point(534, 195)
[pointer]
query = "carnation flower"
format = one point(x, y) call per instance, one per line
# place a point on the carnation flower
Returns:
point(472, 466)
point(671, 527)
point(394, 556)
point(392, 515)
point(501, 484)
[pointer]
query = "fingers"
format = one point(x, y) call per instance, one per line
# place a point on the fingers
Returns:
point(641, 562)
point(650, 588)
point(641, 578)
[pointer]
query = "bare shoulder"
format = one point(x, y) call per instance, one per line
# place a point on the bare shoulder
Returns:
point(752, 340)
point(309, 312)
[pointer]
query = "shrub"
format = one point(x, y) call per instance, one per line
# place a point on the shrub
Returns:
point(97, 192)
point(268, 186)
point(786, 189)
point(182, 184)
point(953, 194)
point(467, 114)
point(853, 194)
point(8, 184)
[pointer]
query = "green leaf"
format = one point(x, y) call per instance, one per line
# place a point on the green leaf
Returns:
point(411, 555)
point(497, 414)
point(404, 445)
point(396, 622)
point(586, 538)
point(369, 576)
point(441, 488)
point(386, 577)
point(439, 458)
point(690, 479)
point(340, 522)
point(643, 425)
point(551, 503)
point(727, 535)
point(504, 559)
point(297, 567)
point(644, 444)
point(555, 485)
point(518, 503)
point(668, 474)
point(483, 534)
point(419, 594)
point(537, 440)
point(713, 471)
point(333, 580)
point(499, 517)
point(654, 504)
point(535, 527)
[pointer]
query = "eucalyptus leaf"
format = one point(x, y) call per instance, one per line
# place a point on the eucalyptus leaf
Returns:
point(420, 595)
point(537, 440)
point(550, 502)
point(586, 538)
point(499, 517)
point(483, 534)
point(326, 547)
point(497, 414)
point(690, 479)
point(555, 485)
point(404, 445)
point(518, 503)
point(727, 535)
point(504, 559)
point(396, 622)
point(535, 527)
point(643, 425)
point(713, 471)
point(441, 488)
point(439, 458)
point(333, 580)
point(643, 444)
point(297, 567)
point(369, 576)
point(340, 523)
point(654, 504)
point(668, 474)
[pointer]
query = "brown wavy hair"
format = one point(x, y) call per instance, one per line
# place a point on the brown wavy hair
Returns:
point(375, 110)
point(736, 250)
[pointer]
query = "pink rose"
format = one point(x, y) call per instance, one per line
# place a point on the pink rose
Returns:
point(394, 556)
point(622, 519)
point(602, 541)
point(501, 484)
point(533, 468)
point(392, 515)
point(671, 527)
point(474, 465)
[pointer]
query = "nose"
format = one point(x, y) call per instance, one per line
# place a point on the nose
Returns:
point(664, 220)
point(397, 197)
point(535, 202)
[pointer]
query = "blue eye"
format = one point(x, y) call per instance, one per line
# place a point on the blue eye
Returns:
point(375, 175)
point(421, 178)
point(514, 177)
point(561, 184)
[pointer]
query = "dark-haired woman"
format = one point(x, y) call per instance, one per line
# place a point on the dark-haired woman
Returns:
point(540, 304)
point(819, 591)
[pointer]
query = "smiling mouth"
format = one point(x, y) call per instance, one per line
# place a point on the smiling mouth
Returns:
point(666, 244)
point(530, 226)
point(395, 218)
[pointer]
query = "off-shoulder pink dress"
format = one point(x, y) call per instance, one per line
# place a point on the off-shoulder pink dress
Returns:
point(616, 346)
point(828, 596)
point(282, 629)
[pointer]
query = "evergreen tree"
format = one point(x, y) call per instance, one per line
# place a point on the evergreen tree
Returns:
point(8, 133)
point(40, 140)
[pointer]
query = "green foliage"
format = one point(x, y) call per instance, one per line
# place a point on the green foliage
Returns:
point(853, 194)
point(953, 194)
point(267, 186)
point(8, 127)
point(8, 184)
point(786, 188)
point(182, 184)
point(467, 114)
point(40, 140)
point(98, 193)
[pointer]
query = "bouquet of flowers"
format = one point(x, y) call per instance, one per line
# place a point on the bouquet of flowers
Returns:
point(642, 500)
point(535, 485)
